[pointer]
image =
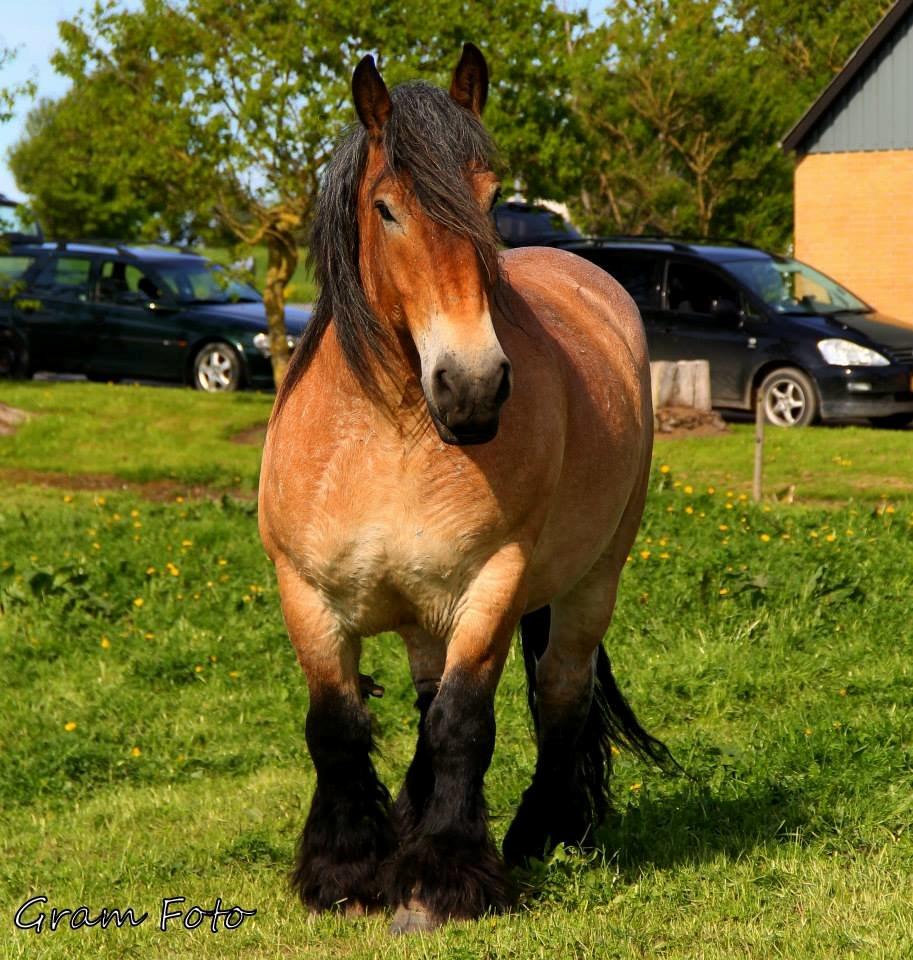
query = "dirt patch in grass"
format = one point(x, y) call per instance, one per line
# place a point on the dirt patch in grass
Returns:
point(254, 436)
point(673, 423)
point(161, 491)
point(11, 418)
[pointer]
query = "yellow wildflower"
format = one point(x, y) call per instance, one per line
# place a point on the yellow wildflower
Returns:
point(138, 602)
point(70, 726)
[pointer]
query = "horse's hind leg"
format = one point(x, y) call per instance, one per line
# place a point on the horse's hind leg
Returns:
point(579, 713)
point(427, 657)
point(347, 834)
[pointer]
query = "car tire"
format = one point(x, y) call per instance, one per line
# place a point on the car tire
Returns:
point(217, 368)
point(894, 421)
point(14, 360)
point(790, 398)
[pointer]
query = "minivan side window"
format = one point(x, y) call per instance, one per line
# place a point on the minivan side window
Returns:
point(694, 289)
point(63, 276)
point(639, 274)
point(124, 283)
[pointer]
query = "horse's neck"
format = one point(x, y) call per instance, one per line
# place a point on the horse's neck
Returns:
point(399, 400)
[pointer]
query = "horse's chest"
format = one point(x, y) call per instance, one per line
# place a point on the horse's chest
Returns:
point(389, 559)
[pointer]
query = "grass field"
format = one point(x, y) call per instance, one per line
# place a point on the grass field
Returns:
point(151, 741)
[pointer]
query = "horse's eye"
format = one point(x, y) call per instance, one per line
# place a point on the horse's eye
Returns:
point(495, 199)
point(384, 212)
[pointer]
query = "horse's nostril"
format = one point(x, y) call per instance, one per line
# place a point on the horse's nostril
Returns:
point(442, 386)
point(503, 391)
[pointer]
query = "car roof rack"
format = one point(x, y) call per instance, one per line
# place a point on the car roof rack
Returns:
point(126, 248)
point(677, 241)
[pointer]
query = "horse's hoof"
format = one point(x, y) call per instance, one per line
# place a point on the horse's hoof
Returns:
point(413, 918)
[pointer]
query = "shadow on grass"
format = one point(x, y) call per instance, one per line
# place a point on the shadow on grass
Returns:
point(694, 824)
point(686, 826)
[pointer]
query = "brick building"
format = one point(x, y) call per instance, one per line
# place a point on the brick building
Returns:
point(854, 170)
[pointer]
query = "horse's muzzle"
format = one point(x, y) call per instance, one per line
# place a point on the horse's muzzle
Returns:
point(465, 405)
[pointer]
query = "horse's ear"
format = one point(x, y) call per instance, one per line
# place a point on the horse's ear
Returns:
point(469, 86)
point(372, 99)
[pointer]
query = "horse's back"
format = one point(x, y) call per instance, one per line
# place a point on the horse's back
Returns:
point(576, 289)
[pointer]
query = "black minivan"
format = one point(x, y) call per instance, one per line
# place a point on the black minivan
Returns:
point(765, 322)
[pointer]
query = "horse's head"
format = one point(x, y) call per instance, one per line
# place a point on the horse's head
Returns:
point(426, 250)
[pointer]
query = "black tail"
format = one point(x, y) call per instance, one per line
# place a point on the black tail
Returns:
point(569, 795)
point(610, 721)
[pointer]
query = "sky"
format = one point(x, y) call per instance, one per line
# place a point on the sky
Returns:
point(30, 26)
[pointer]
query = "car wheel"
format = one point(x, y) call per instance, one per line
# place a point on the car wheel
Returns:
point(217, 367)
point(13, 357)
point(789, 397)
point(894, 421)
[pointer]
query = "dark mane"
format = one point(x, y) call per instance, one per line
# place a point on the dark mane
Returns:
point(432, 139)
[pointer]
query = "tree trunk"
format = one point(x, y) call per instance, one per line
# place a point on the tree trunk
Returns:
point(281, 262)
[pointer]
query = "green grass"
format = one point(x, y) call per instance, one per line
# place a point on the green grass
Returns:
point(768, 646)
point(823, 463)
point(301, 289)
point(138, 434)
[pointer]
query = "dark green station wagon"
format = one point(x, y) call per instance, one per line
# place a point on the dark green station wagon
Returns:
point(133, 312)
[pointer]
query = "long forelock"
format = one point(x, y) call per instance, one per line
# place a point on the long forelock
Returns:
point(433, 141)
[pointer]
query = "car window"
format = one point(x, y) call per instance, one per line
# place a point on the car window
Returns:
point(63, 276)
point(124, 283)
point(12, 269)
point(639, 274)
point(695, 289)
point(521, 225)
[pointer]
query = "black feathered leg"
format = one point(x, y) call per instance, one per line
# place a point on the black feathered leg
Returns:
point(447, 866)
point(348, 833)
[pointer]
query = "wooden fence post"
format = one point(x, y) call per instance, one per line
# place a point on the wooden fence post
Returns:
point(758, 448)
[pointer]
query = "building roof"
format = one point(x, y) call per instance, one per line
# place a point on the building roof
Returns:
point(851, 69)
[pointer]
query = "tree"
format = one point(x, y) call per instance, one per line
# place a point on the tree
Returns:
point(684, 103)
point(208, 109)
point(10, 95)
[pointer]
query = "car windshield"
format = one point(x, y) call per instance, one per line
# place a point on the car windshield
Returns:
point(521, 225)
point(204, 283)
point(793, 287)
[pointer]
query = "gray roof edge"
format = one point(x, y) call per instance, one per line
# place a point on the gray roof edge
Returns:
point(857, 60)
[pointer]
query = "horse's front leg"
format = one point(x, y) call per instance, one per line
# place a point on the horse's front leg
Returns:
point(347, 834)
point(447, 866)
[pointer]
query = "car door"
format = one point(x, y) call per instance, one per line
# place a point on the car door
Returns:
point(53, 312)
point(139, 333)
point(703, 319)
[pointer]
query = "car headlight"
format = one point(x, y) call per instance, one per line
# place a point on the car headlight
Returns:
point(261, 342)
point(845, 353)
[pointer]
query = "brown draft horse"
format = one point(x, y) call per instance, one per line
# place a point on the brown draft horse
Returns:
point(461, 443)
